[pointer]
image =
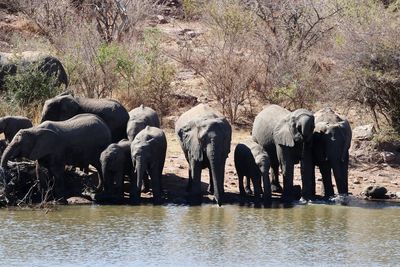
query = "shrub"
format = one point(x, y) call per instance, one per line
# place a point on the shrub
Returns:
point(30, 86)
point(368, 60)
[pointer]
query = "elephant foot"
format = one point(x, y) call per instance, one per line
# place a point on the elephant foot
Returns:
point(195, 200)
point(276, 188)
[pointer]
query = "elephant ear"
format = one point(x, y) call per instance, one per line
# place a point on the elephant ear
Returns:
point(190, 141)
point(283, 132)
point(345, 129)
point(44, 143)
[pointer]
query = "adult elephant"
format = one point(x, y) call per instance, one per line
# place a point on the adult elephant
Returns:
point(286, 137)
point(139, 118)
point(65, 106)
point(205, 138)
point(10, 63)
point(77, 142)
point(331, 144)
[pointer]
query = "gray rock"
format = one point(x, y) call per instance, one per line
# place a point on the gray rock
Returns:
point(364, 132)
point(398, 194)
point(388, 157)
point(375, 191)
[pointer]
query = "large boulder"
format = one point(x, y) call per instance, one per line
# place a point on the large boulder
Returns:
point(364, 132)
point(375, 191)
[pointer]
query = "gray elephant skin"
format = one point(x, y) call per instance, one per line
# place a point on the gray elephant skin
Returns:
point(331, 144)
point(287, 137)
point(116, 163)
point(139, 118)
point(148, 151)
point(65, 106)
point(10, 125)
point(253, 162)
point(76, 142)
point(11, 62)
point(205, 138)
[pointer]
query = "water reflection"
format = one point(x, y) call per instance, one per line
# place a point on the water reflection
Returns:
point(200, 236)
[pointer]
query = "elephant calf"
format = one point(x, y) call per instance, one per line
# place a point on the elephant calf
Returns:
point(116, 162)
point(139, 118)
point(10, 125)
point(253, 162)
point(331, 144)
point(148, 151)
point(76, 142)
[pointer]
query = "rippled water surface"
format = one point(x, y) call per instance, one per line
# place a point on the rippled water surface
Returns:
point(200, 236)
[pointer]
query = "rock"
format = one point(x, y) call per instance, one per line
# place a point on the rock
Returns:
point(398, 194)
point(356, 181)
point(161, 19)
point(375, 191)
point(364, 132)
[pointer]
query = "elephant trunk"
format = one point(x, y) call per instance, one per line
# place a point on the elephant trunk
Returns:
point(341, 177)
point(217, 166)
point(10, 152)
point(140, 172)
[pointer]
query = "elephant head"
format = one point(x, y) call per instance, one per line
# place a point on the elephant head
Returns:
point(141, 154)
point(59, 108)
point(112, 166)
point(263, 164)
point(296, 127)
point(208, 140)
point(134, 127)
point(32, 143)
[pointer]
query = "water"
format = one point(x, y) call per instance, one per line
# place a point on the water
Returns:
point(310, 235)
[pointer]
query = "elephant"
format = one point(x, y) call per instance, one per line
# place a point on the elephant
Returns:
point(10, 125)
point(77, 141)
point(148, 151)
point(205, 138)
point(287, 138)
point(116, 162)
point(253, 162)
point(331, 144)
point(11, 62)
point(139, 118)
point(65, 106)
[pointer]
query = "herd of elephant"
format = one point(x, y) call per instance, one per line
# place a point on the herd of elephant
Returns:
point(77, 131)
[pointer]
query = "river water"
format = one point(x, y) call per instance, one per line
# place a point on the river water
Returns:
point(208, 235)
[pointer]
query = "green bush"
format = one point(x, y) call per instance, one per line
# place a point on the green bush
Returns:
point(30, 86)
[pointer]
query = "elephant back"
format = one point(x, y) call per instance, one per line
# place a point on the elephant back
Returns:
point(199, 112)
point(266, 122)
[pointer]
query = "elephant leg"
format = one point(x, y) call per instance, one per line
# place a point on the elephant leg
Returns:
point(146, 183)
point(211, 183)
point(247, 186)
point(196, 182)
point(325, 171)
point(241, 187)
point(307, 175)
point(59, 182)
point(275, 185)
point(267, 188)
point(287, 165)
point(189, 185)
point(340, 171)
point(155, 176)
point(256, 180)
point(119, 184)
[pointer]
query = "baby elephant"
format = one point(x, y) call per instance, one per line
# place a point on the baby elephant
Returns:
point(116, 162)
point(253, 162)
point(10, 125)
point(148, 151)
